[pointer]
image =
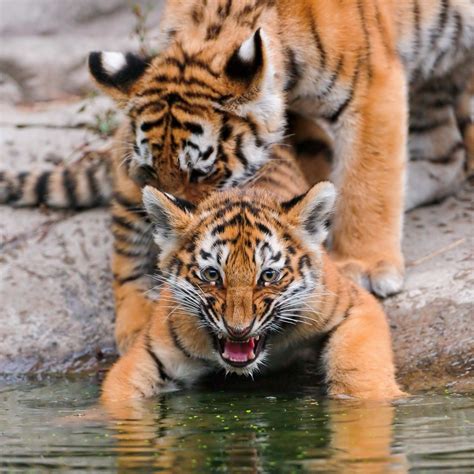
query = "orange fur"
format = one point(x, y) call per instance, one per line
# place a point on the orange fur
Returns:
point(350, 65)
point(249, 229)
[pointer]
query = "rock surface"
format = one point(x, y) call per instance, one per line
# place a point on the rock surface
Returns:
point(44, 45)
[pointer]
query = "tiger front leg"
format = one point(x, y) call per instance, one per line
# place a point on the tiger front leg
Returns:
point(358, 357)
point(371, 154)
point(132, 312)
point(152, 365)
point(133, 262)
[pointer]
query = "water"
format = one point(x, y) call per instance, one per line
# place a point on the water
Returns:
point(57, 425)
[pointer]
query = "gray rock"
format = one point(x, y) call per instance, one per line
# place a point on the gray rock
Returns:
point(432, 319)
point(44, 45)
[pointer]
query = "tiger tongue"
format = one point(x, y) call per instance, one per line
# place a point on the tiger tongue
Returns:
point(239, 351)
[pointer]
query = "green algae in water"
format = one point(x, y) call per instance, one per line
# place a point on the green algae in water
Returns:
point(57, 426)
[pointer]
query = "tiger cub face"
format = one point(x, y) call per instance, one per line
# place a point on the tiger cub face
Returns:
point(242, 266)
point(200, 118)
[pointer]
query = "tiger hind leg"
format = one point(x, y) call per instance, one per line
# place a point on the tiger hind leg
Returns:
point(438, 152)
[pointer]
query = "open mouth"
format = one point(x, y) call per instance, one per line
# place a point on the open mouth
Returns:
point(240, 353)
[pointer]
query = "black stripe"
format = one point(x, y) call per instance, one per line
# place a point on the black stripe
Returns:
point(287, 205)
point(271, 181)
point(123, 223)
point(335, 116)
point(254, 129)
point(177, 342)
point(293, 70)
point(194, 109)
point(159, 365)
point(225, 131)
point(428, 127)
point(317, 40)
point(41, 187)
point(94, 192)
point(448, 157)
point(129, 278)
point(17, 190)
point(458, 29)
point(417, 25)
point(129, 253)
point(202, 65)
point(146, 126)
point(213, 31)
point(442, 21)
point(153, 105)
point(224, 11)
point(238, 151)
point(132, 206)
point(332, 81)
point(328, 335)
point(383, 33)
point(69, 184)
point(368, 52)
point(192, 81)
point(264, 229)
point(194, 128)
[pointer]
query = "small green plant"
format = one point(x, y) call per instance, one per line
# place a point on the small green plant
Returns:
point(106, 123)
point(141, 29)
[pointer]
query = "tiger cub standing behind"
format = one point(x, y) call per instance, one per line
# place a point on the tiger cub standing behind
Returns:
point(245, 283)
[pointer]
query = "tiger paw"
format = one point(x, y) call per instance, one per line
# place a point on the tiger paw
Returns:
point(382, 278)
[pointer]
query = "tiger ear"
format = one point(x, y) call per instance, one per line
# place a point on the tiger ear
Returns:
point(169, 215)
point(247, 62)
point(116, 73)
point(311, 211)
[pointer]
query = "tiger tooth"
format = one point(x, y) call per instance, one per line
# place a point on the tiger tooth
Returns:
point(257, 338)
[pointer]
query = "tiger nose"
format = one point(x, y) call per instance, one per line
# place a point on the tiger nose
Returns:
point(238, 332)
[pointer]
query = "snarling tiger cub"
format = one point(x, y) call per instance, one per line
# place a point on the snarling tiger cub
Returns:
point(244, 284)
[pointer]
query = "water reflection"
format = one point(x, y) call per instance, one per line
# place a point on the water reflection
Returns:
point(254, 428)
point(211, 432)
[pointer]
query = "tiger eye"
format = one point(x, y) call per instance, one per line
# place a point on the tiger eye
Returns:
point(269, 275)
point(210, 274)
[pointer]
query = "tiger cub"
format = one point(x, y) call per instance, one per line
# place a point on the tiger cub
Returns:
point(243, 283)
point(352, 66)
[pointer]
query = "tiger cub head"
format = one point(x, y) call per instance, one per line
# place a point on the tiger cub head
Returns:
point(204, 111)
point(241, 266)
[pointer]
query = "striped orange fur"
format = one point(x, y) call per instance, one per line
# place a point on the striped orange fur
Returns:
point(243, 283)
point(350, 65)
